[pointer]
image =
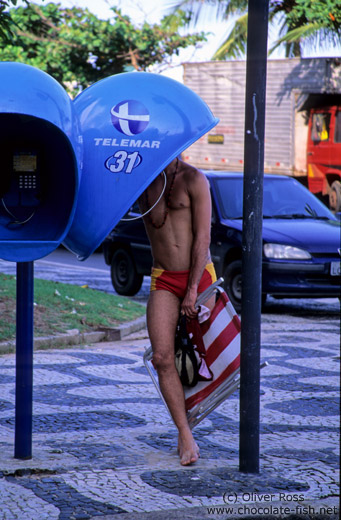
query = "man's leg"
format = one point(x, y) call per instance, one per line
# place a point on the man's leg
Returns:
point(162, 316)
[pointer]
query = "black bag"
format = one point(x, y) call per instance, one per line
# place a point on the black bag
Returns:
point(186, 361)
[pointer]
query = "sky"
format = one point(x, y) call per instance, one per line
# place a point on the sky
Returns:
point(153, 10)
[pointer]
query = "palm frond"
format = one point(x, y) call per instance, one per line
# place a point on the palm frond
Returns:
point(235, 44)
point(207, 10)
point(292, 39)
point(297, 33)
point(226, 8)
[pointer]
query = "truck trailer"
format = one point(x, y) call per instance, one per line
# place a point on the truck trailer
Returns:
point(302, 121)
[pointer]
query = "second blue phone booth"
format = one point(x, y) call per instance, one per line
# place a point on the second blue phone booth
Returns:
point(133, 125)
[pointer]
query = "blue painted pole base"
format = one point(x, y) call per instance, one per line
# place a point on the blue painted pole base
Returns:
point(24, 362)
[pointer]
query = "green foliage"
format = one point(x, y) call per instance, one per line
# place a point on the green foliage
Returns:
point(6, 22)
point(317, 22)
point(78, 49)
point(324, 13)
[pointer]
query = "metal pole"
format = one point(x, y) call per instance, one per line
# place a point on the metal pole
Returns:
point(24, 362)
point(252, 235)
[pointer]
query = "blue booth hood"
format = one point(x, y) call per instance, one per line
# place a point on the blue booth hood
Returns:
point(132, 125)
point(29, 91)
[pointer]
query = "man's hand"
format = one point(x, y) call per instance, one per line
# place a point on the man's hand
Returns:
point(187, 306)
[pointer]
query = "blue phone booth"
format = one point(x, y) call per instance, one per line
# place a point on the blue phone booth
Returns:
point(133, 125)
point(40, 152)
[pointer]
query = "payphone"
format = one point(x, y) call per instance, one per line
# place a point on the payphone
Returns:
point(25, 178)
point(20, 191)
point(40, 153)
point(39, 178)
point(133, 125)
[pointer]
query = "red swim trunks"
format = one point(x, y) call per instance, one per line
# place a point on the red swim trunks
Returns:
point(176, 281)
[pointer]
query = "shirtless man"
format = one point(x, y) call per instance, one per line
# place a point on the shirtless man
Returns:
point(178, 229)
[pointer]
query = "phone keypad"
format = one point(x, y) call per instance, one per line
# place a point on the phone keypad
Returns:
point(27, 182)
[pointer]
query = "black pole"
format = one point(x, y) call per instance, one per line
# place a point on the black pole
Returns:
point(252, 235)
point(24, 362)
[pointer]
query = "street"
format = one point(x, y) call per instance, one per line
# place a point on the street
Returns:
point(63, 266)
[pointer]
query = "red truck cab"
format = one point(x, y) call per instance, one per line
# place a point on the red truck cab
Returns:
point(324, 154)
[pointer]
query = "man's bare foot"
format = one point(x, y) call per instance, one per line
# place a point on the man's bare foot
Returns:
point(188, 450)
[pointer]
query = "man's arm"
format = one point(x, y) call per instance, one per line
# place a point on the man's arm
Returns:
point(201, 210)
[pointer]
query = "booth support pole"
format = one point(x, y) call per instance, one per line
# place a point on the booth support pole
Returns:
point(24, 362)
point(252, 235)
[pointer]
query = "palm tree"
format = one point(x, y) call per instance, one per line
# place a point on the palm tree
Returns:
point(317, 23)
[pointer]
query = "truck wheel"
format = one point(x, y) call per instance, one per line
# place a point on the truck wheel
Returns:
point(335, 196)
point(125, 279)
point(233, 284)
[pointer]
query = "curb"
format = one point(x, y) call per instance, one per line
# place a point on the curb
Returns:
point(74, 337)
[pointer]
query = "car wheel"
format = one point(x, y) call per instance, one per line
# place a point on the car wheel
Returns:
point(335, 196)
point(125, 279)
point(233, 284)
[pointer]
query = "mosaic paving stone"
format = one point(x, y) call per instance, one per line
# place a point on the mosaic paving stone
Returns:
point(103, 443)
point(71, 504)
point(216, 482)
point(317, 406)
point(60, 422)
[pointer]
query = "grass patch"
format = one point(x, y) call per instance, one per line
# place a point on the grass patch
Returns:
point(59, 307)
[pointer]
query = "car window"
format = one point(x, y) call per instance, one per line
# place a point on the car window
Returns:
point(282, 197)
point(213, 216)
point(288, 197)
point(230, 197)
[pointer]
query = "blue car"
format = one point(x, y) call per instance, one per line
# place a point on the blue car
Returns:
point(301, 242)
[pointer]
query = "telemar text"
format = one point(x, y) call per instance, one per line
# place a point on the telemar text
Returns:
point(129, 143)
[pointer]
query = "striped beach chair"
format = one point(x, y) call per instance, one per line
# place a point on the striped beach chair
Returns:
point(219, 339)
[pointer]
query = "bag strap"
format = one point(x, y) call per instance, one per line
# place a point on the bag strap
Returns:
point(181, 336)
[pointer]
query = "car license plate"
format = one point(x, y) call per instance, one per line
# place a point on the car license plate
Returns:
point(335, 268)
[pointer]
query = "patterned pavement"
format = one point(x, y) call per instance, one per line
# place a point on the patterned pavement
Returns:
point(104, 446)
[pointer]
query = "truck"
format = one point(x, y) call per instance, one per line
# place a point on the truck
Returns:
point(302, 121)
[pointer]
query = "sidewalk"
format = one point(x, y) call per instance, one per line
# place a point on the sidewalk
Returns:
point(104, 446)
